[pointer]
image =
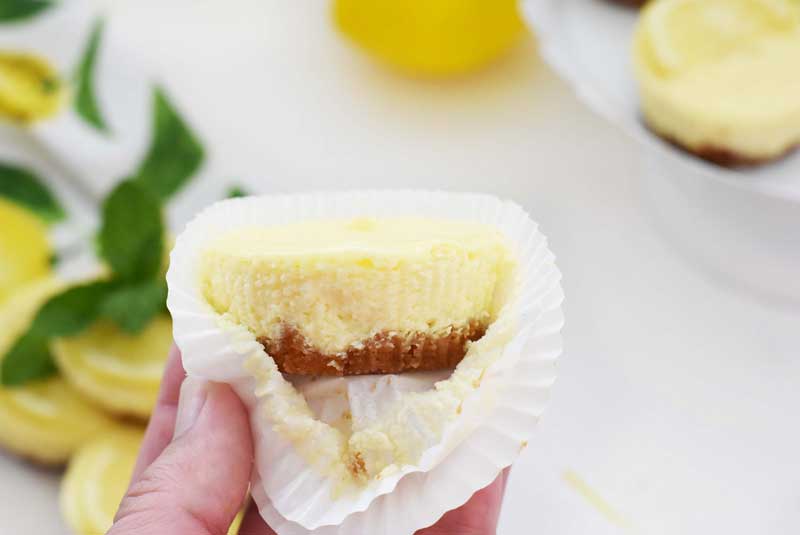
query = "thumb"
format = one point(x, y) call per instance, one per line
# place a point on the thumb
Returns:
point(199, 482)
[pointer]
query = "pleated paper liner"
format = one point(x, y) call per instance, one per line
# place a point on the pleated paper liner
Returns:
point(500, 387)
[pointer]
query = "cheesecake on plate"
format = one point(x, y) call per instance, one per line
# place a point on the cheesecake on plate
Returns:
point(721, 78)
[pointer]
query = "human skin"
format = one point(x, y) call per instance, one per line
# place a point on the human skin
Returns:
point(192, 475)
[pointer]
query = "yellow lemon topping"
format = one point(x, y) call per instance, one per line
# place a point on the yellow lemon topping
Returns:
point(119, 371)
point(44, 420)
point(717, 74)
point(431, 37)
point(29, 87)
point(24, 249)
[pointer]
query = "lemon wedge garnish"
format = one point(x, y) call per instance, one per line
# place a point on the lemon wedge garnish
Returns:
point(29, 87)
point(96, 480)
point(431, 37)
point(683, 34)
point(43, 420)
point(24, 249)
point(119, 371)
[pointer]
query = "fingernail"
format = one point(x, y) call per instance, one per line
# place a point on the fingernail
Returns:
point(194, 393)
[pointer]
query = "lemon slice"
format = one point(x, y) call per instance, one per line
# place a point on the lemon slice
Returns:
point(44, 420)
point(96, 480)
point(29, 87)
point(119, 371)
point(683, 34)
point(24, 249)
point(431, 37)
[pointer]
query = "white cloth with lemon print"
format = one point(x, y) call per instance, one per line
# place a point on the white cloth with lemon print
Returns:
point(82, 97)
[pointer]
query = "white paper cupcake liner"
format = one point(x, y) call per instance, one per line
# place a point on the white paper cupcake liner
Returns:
point(293, 494)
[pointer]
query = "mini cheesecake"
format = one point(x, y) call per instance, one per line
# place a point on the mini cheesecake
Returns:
point(363, 296)
point(721, 78)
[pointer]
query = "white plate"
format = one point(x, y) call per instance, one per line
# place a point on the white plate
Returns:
point(740, 223)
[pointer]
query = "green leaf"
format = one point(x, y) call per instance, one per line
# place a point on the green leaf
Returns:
point(21, 186)
point(235, 192)
point(71, 311)
point(14, 10)
point(175, 153)
point(65, 314)
point(132, 232)
point(85, 102)
point(132, 307)
point(28, 359)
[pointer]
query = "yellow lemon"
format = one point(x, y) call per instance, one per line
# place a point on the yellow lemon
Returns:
point(119, 371)
point(431, 37)
point(97, 478)
point(29, 87)
point(44, 420)
point(678, 35)
point(24, 249)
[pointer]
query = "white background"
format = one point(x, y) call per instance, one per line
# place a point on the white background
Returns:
point(677, 400)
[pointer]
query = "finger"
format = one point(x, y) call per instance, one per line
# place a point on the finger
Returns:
point(199, 482)
point(162, 422)
point(253, 524)
point(476, 517)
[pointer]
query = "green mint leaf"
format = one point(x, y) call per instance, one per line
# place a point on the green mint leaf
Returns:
point(132, 232)
point(14, 10)
point(235, 192)
point(21, 186)
point(175, 153)
point(85, 102)
point(28, 359)
point(65, 314)
point(132, 307)
point(71, 311)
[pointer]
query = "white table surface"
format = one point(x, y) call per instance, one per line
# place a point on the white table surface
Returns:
point(675, 410)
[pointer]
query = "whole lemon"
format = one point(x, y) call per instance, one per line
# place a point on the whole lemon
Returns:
point(431, 37)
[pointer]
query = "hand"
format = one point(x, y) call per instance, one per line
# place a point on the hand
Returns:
point(192, 479)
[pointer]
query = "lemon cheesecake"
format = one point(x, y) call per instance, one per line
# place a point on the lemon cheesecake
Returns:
point(721, 78)
point(362, 296)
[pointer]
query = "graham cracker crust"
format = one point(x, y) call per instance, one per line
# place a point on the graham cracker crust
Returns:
point(722, 156)
point(726, 157)
point(629, 3)
point(386, 352)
